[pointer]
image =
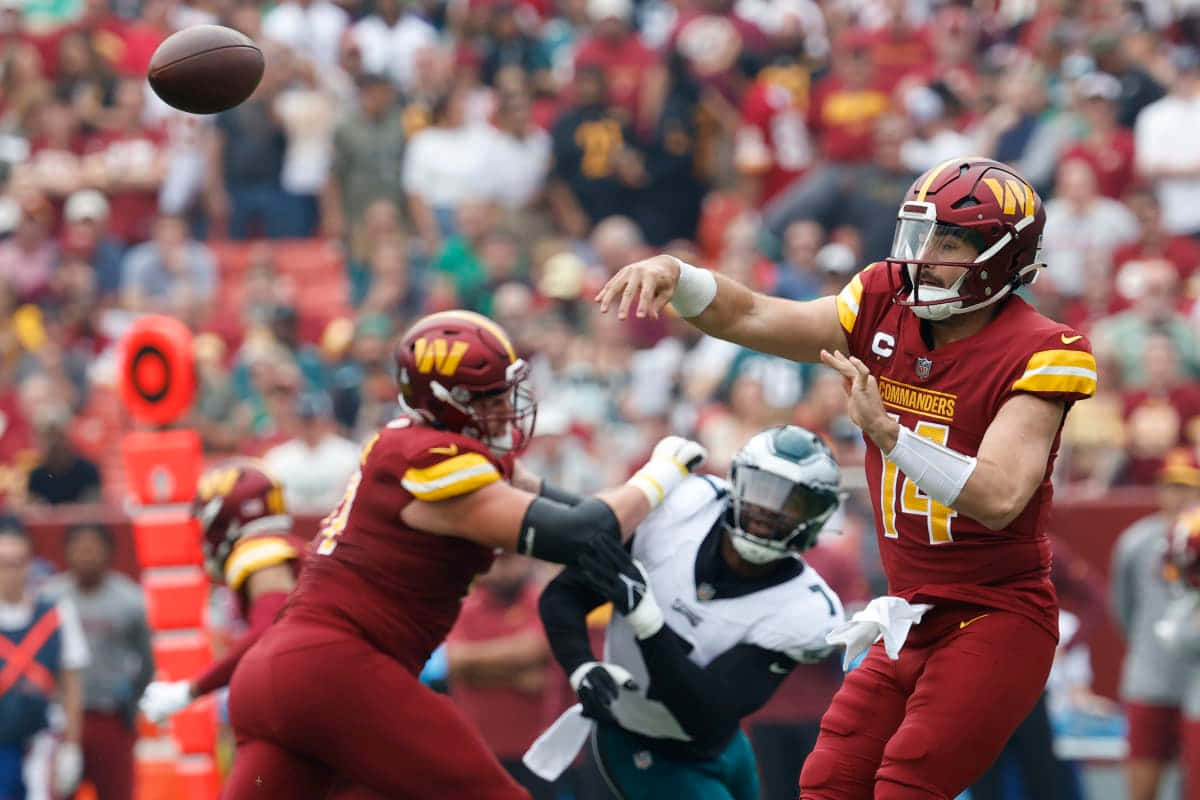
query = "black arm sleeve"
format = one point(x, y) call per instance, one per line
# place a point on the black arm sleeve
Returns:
point(559, 495)
point(564, 606)
point(555, 532)
point(709, 702)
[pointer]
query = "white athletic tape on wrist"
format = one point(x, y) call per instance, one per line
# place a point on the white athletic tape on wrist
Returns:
point(657, 478)
point(937, 470)
point(695, 291)
point(646, 618)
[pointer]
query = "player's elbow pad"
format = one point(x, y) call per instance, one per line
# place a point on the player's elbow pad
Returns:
point(554, 532)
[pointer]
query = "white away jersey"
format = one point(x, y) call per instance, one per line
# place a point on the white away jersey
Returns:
point(791, 617)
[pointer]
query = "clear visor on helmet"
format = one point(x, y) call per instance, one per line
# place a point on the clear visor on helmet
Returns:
point(772, 507)
point(923, 241)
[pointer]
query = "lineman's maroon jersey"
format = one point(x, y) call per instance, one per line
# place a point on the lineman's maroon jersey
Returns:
point(398, 587)
point(951, 394)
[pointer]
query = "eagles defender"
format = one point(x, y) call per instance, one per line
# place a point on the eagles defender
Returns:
point(725, 608)
point(961, 389)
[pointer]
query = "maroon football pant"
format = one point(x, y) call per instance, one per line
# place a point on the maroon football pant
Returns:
point(926, 726)
point(320, 713)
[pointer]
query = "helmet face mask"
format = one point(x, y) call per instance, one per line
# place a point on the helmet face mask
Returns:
point(785, 487)
point(970, 201)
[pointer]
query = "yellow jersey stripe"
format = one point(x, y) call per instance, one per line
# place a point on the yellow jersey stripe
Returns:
point(933, 174)
point(1062, 358)
point(253, 555)
point(847, 303)
point(461, 482)
point(444, 468)
point(1068, 380)
point(483, 322)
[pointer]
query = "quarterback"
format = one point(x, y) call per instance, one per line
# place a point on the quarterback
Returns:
point(249, 545)
point(329, 698)
point(960, 388)
point(725, 609)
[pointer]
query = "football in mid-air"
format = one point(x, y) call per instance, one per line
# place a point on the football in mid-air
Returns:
point(205, 69)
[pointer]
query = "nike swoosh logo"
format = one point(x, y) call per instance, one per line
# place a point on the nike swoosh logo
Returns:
point(1070, 339)
point(452, 450)
point(964, 624)
point(778, 670)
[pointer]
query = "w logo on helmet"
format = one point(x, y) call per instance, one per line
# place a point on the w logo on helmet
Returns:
point(1013, 195)
point(438, 354)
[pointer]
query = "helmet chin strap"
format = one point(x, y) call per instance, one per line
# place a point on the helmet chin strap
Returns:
point(753, 549)
point(945, 303)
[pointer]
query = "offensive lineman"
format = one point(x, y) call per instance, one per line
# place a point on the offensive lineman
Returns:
point(728, 610)
point(961, 389)
point(248, 543)
point(330, 698)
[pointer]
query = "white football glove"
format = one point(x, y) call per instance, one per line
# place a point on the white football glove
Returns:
point(673, 459)
point(162, 699)
point(888, 618)
point(68, 769)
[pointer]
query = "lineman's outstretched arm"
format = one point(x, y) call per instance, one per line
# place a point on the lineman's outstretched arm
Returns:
point(564, 606)
point(725, 308)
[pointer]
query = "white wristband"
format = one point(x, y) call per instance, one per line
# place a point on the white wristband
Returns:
point(695, 290)
point(646, 618)
point(937, 470)
point(657, 478)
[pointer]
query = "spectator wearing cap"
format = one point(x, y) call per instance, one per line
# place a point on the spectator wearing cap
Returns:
point(171, 272)
point(848, 100)
point(1105, 145)
point(633, 70)
point(1167, 152)
point(311, 28)
point(62, 474)
point(389, 40)
point(1154, 289)
point(42, 651)
point(368, 157)
point(1153, 676)
point(27, 258)
point(1081, 222)
point(85, 236)
point(113, 612)
point(315, 465)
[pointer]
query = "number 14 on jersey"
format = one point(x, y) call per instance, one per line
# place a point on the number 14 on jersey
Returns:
point(912, 499)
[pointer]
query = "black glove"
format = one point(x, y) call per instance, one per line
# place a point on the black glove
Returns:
point(611, 572)
point(597, 685)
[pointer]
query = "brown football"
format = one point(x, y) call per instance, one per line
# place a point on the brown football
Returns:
point(205, 69)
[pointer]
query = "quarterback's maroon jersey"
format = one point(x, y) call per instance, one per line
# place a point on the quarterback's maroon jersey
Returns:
point(398, 587)
point(951, 394)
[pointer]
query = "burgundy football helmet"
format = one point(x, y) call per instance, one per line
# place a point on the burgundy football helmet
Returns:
point(983, 202)
point(235, 499)
point(1183, 550)
point(457, 370)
